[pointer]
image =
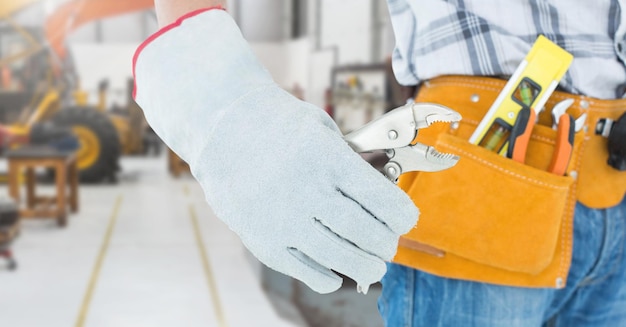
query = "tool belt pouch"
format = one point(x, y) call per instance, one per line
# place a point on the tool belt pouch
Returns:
point(489, 218)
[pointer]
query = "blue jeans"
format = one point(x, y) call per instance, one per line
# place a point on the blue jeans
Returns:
point(595, 294)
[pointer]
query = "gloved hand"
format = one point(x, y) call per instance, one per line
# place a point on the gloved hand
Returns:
point(275, 169)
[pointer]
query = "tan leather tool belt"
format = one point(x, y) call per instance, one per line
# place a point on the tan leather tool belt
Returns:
point(492, 219)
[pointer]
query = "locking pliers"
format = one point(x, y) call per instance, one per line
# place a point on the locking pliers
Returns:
point(394, 132)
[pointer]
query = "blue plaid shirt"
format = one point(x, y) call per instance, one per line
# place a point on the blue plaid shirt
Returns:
point(491, 38)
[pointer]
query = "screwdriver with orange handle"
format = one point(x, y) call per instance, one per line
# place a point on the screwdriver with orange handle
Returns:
point(520, 134)
point(564, 145)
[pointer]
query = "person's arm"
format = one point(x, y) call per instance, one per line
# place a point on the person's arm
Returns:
point(168, 11)
point(275, 169)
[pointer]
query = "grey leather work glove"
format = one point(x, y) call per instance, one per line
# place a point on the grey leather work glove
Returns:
point(275, 169)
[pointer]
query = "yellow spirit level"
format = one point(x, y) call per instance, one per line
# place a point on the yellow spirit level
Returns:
point(530, 86)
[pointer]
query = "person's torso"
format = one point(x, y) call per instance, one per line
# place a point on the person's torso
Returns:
point(491, 38)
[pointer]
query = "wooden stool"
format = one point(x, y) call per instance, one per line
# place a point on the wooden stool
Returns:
point(66, 174)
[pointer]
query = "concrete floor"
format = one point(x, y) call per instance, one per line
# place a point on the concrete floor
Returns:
point(145, 252)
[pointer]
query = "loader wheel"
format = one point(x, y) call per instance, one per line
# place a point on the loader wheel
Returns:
point(99, 146)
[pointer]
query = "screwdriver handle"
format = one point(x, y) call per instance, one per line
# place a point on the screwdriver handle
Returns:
point(520, 134)
point(564, 145)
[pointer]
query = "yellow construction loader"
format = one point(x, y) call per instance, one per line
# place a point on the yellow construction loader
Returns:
point(38, 85)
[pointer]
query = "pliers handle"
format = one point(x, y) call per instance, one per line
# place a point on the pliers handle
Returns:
point(564, 124)
point(394, 132)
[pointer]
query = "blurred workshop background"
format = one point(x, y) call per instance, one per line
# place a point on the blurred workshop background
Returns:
point(102, 225)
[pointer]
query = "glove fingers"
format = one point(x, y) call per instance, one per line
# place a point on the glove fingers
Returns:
point(359, 227)
point(380, 197)
point(336, 253)
point(314, 275)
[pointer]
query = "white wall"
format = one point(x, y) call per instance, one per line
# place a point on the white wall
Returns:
point(95, 62)
point(104, 50)
point(347, 24)
point(288, 62)
point(350, 25)
point(133, 27)
point(262, 20)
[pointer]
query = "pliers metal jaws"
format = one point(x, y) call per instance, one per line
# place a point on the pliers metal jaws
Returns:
point(394, 132)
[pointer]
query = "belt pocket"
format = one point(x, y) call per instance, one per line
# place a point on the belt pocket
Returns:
point(491, 210)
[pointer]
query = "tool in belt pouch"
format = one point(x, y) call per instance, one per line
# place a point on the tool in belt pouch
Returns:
point(493, 219)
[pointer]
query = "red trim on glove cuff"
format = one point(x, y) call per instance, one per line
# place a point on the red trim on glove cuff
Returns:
point(162, 31)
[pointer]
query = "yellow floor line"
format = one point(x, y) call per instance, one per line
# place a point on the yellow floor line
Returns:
point(208, 272)
point(95, 274)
